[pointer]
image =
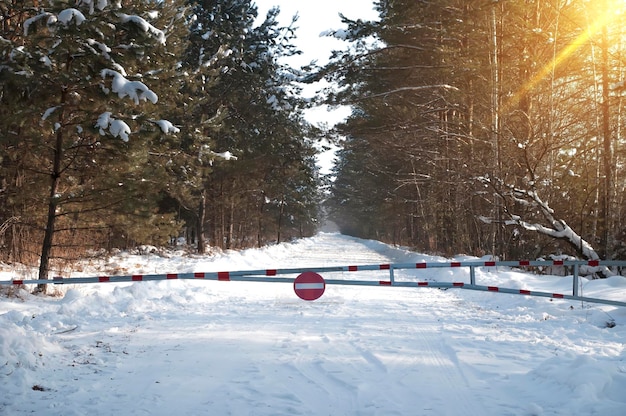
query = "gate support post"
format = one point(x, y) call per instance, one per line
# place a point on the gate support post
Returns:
point(575, 280)
point(472, 276)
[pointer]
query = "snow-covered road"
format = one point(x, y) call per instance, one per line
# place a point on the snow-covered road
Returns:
point(236, 348)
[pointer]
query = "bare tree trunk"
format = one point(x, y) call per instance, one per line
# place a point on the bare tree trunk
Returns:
point(259, 235)
point(231, 224)
point(606, 179)
point(280, 219)
point(618, 183)
point(200, 225)
point(497, 246)
point(53, 202)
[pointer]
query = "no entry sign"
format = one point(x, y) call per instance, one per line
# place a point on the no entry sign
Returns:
point(309, 286)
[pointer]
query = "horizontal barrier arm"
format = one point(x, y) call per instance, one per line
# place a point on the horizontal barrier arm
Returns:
point(226, 275)
point(269, 275)
point(543, 294)
point(251, 278)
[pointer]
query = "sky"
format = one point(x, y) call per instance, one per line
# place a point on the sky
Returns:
point(207, 347)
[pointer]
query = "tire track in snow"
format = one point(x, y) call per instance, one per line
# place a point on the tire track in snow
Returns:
point(443, 369)
point(322, 250)
point(379, 377)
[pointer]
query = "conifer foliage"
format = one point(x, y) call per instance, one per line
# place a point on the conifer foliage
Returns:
point(244, 115)
point(126, 122)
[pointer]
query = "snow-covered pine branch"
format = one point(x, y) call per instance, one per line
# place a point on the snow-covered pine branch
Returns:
point(143, 24)
point(68, 15)
point(104, 50)
point(135, 90)
point(117, 128)
point(33, 20)
point(222, 53)
point(49, 112)
point(205, 152)
point(98, 4)
point(225, 155)
point(166, 126)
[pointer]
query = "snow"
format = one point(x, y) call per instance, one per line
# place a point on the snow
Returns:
point(49, 112)
point(205, 347)
point(158, 34)
point(120, 129)
point(135, 90)
point(46, 61)
point(99, 4)
point(225, 155)
point(167, 126)
point(104, 49)
point(68, 15)
point(337, 34)
point(31, 20)
point(117, 128)
point(222, 53)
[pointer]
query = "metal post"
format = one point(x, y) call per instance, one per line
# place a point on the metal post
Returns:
point(391, 276)
point(472, 276)
point(575, 284)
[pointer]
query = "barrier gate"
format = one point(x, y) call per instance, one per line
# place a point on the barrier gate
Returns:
point(270, 275)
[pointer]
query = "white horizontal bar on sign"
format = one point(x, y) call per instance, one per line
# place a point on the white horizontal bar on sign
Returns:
point(310, 286)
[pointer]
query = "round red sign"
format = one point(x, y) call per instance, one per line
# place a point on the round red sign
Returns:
point(309, 286)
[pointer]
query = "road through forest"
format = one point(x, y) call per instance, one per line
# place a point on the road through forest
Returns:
point(244, 348)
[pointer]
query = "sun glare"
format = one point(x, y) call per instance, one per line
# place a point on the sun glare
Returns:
point(603, 17)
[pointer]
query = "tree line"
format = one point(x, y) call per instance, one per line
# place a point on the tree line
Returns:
point(484, 127)
point(141, 121)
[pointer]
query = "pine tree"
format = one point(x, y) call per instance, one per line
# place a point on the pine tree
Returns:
point(410, 116)
point(76, 77)
point(247, 107)
point(464, 94)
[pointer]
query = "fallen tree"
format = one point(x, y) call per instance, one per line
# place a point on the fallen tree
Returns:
point(553, 227)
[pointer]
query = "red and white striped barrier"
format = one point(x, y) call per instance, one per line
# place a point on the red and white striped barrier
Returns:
point(270, 275)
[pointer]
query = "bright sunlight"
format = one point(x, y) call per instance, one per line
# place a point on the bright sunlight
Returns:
point(598, 15)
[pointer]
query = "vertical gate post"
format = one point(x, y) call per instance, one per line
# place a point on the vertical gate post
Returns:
point(391, 276)
point(575, 283)
point(472, 276)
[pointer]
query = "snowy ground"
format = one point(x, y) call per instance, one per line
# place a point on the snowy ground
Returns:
point(233, 348)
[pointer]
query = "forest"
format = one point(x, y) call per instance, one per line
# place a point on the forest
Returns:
point(484, 127)
point(128, 123)
point(480, 127)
